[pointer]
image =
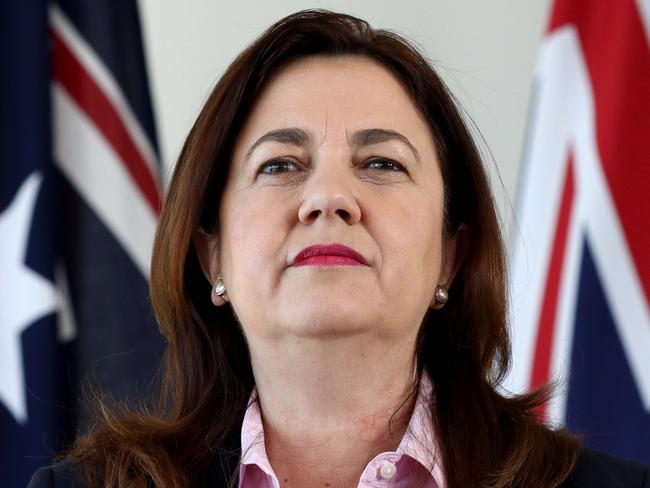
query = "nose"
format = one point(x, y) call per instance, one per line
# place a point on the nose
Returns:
point(327, 194)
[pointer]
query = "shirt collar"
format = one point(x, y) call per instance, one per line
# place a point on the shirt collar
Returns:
point(419, 441)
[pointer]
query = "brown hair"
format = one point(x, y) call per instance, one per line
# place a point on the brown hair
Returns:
point(487, 439)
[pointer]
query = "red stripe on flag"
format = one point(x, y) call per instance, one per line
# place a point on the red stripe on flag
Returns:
point(547, 319)
point(89, 96)
point(617, 55)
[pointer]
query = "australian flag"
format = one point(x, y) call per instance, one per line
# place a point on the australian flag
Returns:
point(79, 200)
point(580, 255)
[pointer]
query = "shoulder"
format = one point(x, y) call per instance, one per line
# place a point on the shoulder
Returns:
point(64, 474)
point(597, 469)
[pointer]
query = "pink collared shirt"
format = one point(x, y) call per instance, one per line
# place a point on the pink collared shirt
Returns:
point(413, 463)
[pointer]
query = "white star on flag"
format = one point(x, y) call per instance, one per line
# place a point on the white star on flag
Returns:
point(25, 296)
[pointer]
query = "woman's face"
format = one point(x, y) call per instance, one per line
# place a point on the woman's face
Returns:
point(334, 151)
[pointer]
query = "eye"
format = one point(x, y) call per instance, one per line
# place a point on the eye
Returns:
point(384, 164)
point(276, 166)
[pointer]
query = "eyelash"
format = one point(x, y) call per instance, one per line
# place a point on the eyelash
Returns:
point(284, 162)
point(386, 160)
point(274, 162)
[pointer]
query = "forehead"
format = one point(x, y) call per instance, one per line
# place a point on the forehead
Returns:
point(334, 96)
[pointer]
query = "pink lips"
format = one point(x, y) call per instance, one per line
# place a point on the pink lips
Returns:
point(329, 254)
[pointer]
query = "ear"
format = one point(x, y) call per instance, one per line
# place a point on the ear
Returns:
point(207, 251)
point(454, 251)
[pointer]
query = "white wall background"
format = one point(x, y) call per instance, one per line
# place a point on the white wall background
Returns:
point(485, 50)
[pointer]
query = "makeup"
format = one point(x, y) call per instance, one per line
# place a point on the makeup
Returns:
point(329, 254)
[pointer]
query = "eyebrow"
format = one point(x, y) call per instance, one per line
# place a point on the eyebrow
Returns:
point(367, 137)
point(364, 137)
point(291, 135)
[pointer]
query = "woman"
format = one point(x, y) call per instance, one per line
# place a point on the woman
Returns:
point(329, 274)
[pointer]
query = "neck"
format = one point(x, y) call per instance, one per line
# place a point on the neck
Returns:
point(333, 403)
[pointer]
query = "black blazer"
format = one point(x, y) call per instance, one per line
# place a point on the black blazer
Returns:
point(594, 470)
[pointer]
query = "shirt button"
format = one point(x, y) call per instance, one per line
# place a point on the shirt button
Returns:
point(387, 470)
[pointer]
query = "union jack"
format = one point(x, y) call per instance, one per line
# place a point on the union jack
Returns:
point(580, 256)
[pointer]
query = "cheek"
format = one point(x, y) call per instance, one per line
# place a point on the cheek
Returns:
point(254, 233)
point(414, 240)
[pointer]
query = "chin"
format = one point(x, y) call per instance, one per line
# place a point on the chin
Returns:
point(327, 321)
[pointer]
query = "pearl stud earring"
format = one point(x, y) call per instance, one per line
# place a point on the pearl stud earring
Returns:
point(219, 286)
point(441, 294)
